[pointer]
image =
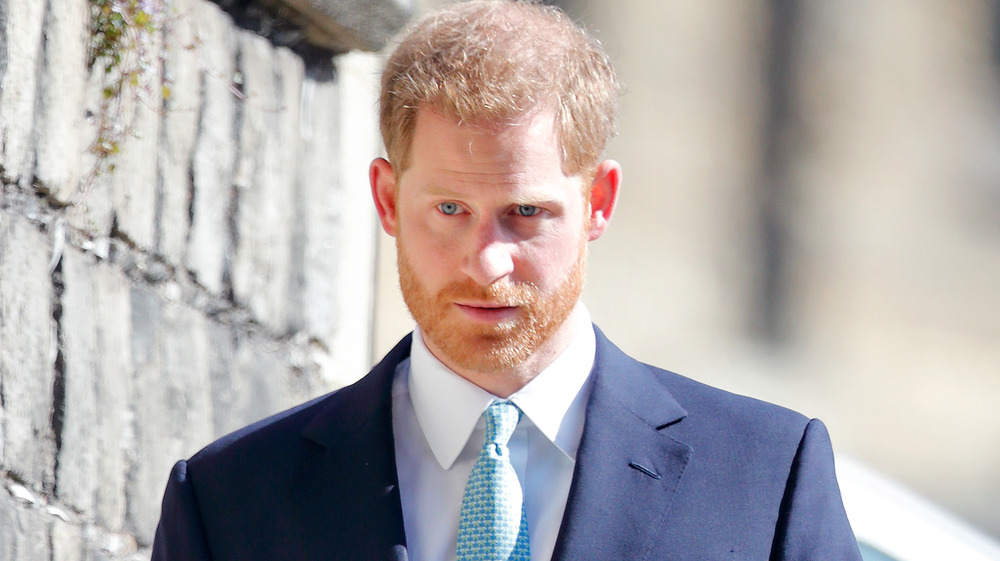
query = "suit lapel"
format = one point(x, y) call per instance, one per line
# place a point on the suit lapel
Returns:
point(347, 484)
point(627, 468)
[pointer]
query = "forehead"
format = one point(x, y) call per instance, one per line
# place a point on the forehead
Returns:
point(529, 145)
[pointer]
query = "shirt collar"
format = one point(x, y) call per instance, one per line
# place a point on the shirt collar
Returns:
point(554, 400)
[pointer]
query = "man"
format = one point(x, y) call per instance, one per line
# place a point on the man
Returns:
point(495, 115)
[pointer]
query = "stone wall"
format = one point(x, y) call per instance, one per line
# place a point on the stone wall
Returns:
point(217, 268)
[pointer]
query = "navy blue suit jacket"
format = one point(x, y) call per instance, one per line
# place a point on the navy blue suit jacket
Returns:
point(667, 468)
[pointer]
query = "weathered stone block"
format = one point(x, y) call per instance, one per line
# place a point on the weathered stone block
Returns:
point(314, 295)
point(357, 143)
point(77, 477)
point(251, 256)
point(221, 365)
point(61, 97)
point(252, 387)
point(101, 545)
point(182, 81)
point(266, 175)
point(92, 210)
point(133, 191)
point(215, 149)
point(285, 176)
point(184, 348)
point(67, 541)
point(95, 434)
point(153, 435)
point(20, 50)
point(9, 511)
point(24, 531)
point(27, 352)
point(115, 437)
point(172, 400)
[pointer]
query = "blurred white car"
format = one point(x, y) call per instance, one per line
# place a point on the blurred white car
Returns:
point(893, 523)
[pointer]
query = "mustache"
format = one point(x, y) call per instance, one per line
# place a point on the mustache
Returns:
point(500, 293)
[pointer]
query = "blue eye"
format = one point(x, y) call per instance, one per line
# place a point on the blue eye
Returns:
point(449, 209)
point(527, 210)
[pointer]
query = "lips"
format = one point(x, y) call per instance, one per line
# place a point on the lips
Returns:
point(487, 312)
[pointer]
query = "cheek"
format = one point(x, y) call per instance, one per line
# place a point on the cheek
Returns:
point(428, 234)
point(549, 263)
point(430, 260)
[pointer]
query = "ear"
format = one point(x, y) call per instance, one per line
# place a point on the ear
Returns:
point(383, 182)
point(603, 196)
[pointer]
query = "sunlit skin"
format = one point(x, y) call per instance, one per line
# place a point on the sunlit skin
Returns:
point(492, 237)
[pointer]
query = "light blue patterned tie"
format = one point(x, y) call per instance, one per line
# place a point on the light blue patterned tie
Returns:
point(493, 526)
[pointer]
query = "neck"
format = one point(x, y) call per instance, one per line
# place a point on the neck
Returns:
point(505, 382)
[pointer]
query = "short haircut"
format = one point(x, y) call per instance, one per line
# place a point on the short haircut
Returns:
point(492, 62)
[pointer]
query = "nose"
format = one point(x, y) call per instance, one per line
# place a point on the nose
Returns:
point(491, 256)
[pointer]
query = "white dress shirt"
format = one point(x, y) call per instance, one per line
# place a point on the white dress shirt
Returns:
point(439, 431)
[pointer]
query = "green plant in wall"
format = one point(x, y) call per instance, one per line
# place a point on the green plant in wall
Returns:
point(122, 51)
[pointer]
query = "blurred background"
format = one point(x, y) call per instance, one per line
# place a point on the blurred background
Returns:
point(811, 216)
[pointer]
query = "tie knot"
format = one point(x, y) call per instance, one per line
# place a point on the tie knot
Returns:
point(501, 420)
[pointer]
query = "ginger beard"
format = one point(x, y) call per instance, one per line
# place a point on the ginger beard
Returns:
point(483, 347)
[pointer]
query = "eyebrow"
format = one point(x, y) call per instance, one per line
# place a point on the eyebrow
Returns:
point(516, 199)
point(530, 196)
point(529, 202)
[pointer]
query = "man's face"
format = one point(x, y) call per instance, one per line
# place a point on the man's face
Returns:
point(491, 239)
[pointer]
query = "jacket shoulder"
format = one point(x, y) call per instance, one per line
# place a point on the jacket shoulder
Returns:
point(274, 430)
point(320, 420)
point(703, 400)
